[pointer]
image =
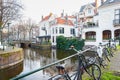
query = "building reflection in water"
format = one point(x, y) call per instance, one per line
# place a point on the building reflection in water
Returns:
point(35, 58)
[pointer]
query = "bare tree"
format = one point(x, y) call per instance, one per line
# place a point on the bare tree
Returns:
point(9, 10)
point(30, 25)
point(26, 29)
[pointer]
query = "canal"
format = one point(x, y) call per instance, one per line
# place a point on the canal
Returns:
point(34, 59)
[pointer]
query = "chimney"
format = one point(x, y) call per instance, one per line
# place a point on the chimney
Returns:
point(96, 6)
point(102, 1)
point(42, 18)
point(96, 3)
point(62, 14)
point(66, 18)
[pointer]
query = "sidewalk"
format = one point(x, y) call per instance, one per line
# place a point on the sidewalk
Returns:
point(115, 62)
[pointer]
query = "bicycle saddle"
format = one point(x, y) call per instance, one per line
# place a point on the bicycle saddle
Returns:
point(62, 66)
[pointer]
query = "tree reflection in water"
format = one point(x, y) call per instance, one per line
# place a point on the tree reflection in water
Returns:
point(35, 58)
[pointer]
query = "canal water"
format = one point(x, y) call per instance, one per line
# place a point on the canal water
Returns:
point(34, 59)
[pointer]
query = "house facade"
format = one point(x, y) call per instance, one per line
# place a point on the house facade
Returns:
point(53, 26)
point(108, 20)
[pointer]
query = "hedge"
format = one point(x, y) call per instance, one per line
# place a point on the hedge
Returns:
point(65, 43)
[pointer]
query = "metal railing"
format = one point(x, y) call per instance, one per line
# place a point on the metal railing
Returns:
point(49, 65)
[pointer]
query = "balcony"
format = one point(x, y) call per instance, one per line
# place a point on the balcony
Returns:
point(43, 28)
point(116, 22)
point(90, 25)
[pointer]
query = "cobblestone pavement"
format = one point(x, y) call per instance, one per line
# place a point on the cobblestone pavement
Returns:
point(115, 62)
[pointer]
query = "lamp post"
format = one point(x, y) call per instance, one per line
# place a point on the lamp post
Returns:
point(8, 31)
point(1, 34)
point(1, 31)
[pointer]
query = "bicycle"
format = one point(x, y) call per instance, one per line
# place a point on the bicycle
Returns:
point(106, 52)
point(103, 53)
point(113, 45)
point(88, 65)
point(101, 56)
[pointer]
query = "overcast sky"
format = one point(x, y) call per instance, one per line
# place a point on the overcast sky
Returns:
point(36, 8)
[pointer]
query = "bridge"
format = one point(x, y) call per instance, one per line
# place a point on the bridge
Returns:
point(23, 43)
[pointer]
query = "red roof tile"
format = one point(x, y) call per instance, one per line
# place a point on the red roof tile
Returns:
point(64, 21)
point(47, 17)
point(71, 17)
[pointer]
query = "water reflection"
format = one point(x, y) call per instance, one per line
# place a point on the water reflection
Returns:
point(35, 58)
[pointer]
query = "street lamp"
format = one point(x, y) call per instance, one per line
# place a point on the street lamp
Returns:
point(1, 31)
point(8, 31)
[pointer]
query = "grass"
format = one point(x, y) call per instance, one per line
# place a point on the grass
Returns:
point(106, 73)
point(109, 76)
point(118, 47)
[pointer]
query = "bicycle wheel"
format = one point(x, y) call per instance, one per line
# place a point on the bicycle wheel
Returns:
point(100, 62)
point(96, 72)
point(106, 55)
point(110, 52)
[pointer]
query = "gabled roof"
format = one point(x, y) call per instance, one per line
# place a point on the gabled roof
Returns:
point(47, 17)
point(107, 2)
point(71, 16)
point(82, 7)
point(64, 21)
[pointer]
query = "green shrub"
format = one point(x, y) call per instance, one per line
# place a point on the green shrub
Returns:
point(65, 43)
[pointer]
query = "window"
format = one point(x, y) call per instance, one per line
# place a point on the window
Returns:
point(72, 31)
point(53, 30)
point(56, 30)
point(117, 16)
point(61, 30)
point(89, 10)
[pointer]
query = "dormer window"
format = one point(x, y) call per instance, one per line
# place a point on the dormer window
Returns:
point(89, 10)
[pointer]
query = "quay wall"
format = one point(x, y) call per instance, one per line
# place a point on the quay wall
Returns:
point(11, 57)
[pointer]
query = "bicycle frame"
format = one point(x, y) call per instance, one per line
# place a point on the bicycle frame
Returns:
point(82, 66)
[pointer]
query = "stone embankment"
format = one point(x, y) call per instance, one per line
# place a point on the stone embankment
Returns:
point(10, 57)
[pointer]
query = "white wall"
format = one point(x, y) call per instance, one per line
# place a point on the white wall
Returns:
point(105, 20)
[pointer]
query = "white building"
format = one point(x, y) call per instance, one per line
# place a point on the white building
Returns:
point(108, 20)
point(53, 26)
